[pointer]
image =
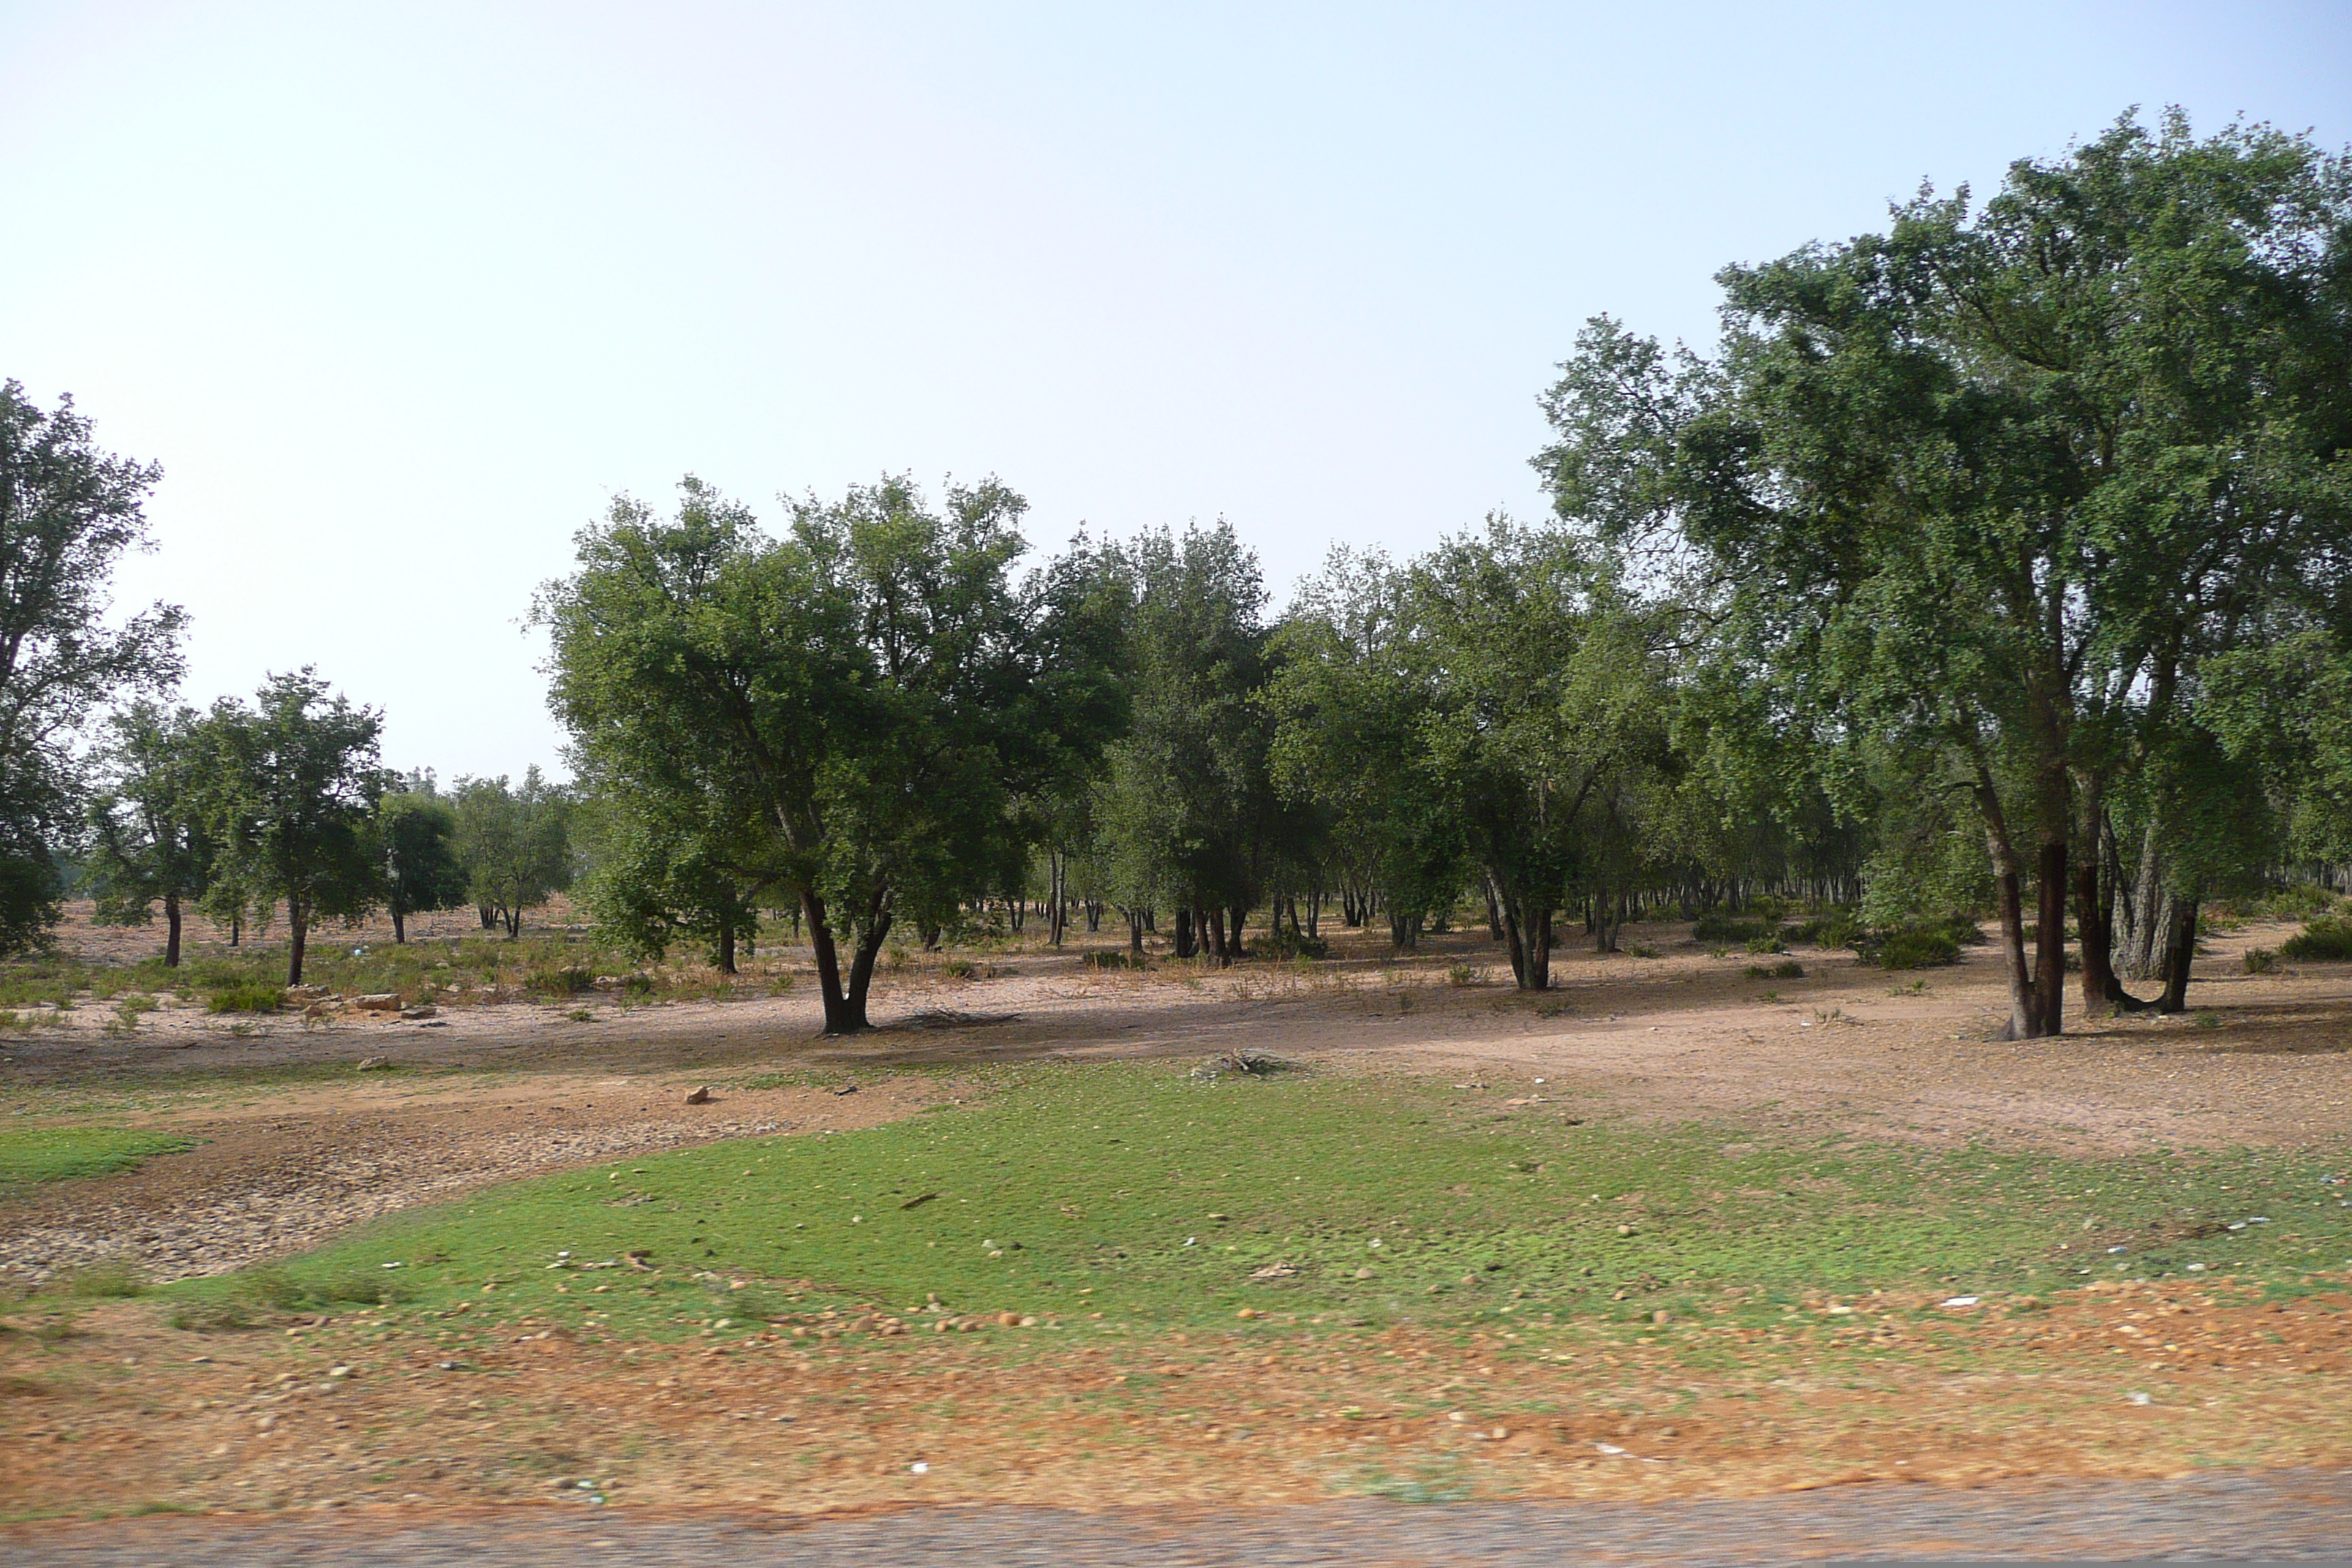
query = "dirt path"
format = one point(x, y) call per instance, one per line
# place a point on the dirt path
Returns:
point(489, 1093)
point(2291, 1516)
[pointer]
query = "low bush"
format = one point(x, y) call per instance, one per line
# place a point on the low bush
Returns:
point(1769, 942)
point(1117, 958)
point(1728, 928)
point(569, 980)
point(105, 1281)
point(1284, 943)
point(2262, 961)
point(247, 996)
point(1787, 968)
point(1914, 947)
point(2326, 937)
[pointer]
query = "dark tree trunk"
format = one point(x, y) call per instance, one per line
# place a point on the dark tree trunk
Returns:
point(1404, 932)
point(1526, 927)
point(837, 1018)
point(1186, 946)
point(2095, 916)
point(171, 931)
point(2008, 898)
point(514, 925)
point(930, 935)
point(399, 926)
point(1494, 911)
point(1213, 921)
point(1240, 917)
point(235, 929)
point(298, 930)
point(1135, 933)
point(489, 916)
point(726, 949)
point(861, 964)
point(2050, 940)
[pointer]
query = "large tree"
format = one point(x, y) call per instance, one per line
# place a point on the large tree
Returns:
point(1991, 486)
point(68, 514)
point(840, 716)
point(294, 784)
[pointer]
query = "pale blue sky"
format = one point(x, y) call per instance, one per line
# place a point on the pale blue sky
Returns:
point(400, 295)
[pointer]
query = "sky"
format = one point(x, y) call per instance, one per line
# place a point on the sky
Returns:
point(400, 297)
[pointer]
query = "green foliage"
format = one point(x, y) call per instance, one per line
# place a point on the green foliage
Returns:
point(69, 514)
point(153, 836)
point(2328, 937)
point(246, 996)
point(512, 843)
point(837, 720)
point(1769, 942)
point(294, 784)
point(416, 834)
point(2261, 961)
point(1911, 947)
point(55, 1154)
point(1787, 968)
point(559, 983)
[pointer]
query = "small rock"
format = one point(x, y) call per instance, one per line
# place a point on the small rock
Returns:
point(1661, 1317)
point(1627, 1230)
point(1008, 1320)
point(419, 1013)
point(1246, 1313)
point(381, 1001)
point(700, 1095)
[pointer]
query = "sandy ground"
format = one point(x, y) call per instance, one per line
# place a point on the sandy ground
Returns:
point(2263, 1059)
point(294, 1143)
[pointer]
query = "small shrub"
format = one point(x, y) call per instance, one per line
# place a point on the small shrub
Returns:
point(212, 1317)
point(2304, 902)
point(1769, 996)
point(105, 1281)
point(1642, 950)
point(2262, 961)
point(570, 980)
point(959, 969)
point(2326, 937)
point(1727, 929)
point(246, 996)
point(1118, 958)
point(1284, 943)
point(1769, 942)
point(1912, 948)
point(128, 1009)
point(1460, 974)
point(1787, 968)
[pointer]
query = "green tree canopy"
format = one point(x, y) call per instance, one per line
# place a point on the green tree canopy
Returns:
point(68, 514)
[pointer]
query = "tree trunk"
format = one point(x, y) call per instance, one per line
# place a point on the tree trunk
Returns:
point(298, 929)
point(489, 916)
point(1187, 945)
point(1234, 949)
point(861, 965)
point(171, 931)
point(1404, 932)
point(2009, 899)
point(2095, 914)
point(399, 926)
point(2180, 951)
point(1494, 911)
point(1059, 917)
point(514, 925)
point(726, 949)
point(2050, 940)
point(828, 965)
point(235, 929)
point(1213, 921)
point(1135, 933)
point(1528, 928)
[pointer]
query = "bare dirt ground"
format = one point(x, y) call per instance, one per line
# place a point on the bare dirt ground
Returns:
point(295, 1143)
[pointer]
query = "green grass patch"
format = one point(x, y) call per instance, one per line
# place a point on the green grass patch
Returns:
point(55, 1154)
point(1132, 1191)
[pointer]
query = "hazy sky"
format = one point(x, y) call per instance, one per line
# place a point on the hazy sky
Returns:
point(400, 295)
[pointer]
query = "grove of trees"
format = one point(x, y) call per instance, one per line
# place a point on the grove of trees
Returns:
point(1993, 567)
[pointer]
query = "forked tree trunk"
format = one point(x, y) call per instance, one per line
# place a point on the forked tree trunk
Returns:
point(1527, 928)
point(837, 1018)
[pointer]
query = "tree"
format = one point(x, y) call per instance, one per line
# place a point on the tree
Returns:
point(513, 843)
point(68, 514)
point(416, 834)
point(153, 840)
point(294, 780)
point(1545, 691)
point(841, 716)
point(1993, 485)
point(1354, 697)
point(1192, 784)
